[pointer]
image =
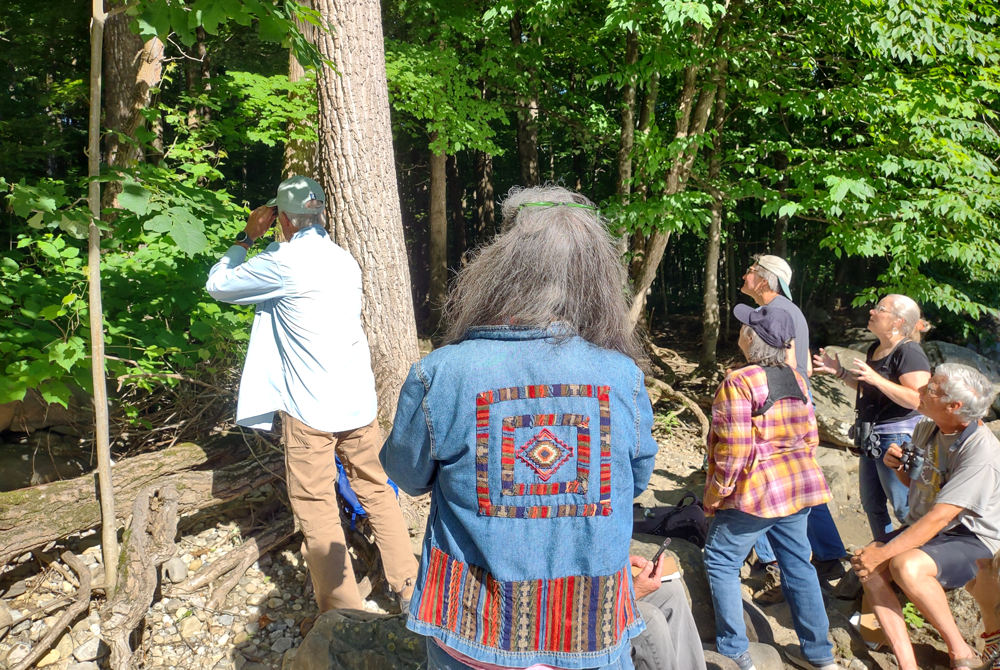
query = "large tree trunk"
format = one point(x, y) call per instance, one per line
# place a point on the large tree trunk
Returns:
point(485, 216)
point(439, 238)
point(710, 320)
point(527, 118)
point(456, 203)
point(357, 170)
point(132, 69)
point(627, 137)
point(300, 155)
point(32, 517)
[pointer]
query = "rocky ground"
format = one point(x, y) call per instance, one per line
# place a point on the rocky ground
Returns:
point(264, 619)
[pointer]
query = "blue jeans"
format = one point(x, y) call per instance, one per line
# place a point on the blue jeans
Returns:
point(880, 486)
point(730, 538)
point(824, 538)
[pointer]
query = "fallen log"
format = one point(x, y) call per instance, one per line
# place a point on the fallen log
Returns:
point(203, 477)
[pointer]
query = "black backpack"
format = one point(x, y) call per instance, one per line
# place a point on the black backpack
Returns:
point(685, 521)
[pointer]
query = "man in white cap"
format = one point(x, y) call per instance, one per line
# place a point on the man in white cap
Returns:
point(308, 359)
point(767, 282)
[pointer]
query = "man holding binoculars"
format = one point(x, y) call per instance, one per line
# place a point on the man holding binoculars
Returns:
point(952, 469)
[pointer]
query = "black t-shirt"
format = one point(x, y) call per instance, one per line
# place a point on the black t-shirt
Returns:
point(873, 405)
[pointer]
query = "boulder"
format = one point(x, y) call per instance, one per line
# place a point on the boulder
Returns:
point(945, 352)
point(692, 565)
point(834, 401)
point(716, 661)
point(357, 640)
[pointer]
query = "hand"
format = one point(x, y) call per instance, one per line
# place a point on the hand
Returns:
point(826, 364)
point(892, 456)
point(261, 219)
point(869, 561)
point(712, 502)
point(864, 373)
point(647, 581)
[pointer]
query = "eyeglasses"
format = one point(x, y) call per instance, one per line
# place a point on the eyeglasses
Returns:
point(936, 392)
point(883, 308)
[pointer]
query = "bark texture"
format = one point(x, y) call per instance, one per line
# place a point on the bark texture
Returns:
point(439, 239)
point(32, 517)
point(485, 205)
point(710, 319)
point(456, 206)
point(357, 170)
point(148, 542)
point(300, 155)
point(132, 69)
point(627, 137)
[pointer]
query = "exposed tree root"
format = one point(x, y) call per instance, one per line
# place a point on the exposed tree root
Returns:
point(81, 605)
point(240, 560)
point(147, 544)
point(667, 391)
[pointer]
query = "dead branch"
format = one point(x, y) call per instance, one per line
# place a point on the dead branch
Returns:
point(81, 605)
point(147, 544)
point(667, 391)
point(249, 552)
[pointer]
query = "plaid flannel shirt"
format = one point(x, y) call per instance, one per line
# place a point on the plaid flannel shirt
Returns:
point(763, 465)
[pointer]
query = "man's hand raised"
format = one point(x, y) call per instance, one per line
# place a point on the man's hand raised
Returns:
point(648, 579)
point(261, 219)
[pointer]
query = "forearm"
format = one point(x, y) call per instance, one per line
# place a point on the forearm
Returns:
point(901, 395)
point(921, 532)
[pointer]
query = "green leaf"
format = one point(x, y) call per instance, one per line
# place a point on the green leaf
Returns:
point(47, 248)
point(134, 198)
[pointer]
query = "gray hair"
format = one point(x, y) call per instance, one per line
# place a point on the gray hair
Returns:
point(550, 263)
point(907, 309)
point(300, 221)
point(767, 275)
point(761, 353)
point(968, 386)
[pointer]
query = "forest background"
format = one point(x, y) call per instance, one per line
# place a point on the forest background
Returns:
point(857, 138)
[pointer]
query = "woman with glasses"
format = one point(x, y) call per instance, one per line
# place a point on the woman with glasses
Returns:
point(887, 383)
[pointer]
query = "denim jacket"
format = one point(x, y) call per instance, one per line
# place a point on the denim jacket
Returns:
point(533, 448)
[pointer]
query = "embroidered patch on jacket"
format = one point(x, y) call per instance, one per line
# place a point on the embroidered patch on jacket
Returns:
point(544, 453)
point(569, 614)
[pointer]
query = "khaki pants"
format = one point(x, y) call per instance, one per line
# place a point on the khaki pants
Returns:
point(312, 475)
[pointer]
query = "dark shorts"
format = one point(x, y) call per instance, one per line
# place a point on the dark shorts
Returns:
point(955, 553)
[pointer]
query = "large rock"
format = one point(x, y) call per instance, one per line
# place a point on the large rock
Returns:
point(692, 564)
point(944, 352)
point(33, 413)
point(356, 640)
point(834, 400)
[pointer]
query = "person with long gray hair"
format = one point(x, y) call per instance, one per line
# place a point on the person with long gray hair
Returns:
point(531, 429)
point(952, 472)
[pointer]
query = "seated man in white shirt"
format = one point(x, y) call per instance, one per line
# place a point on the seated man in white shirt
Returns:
point(308, 358)
point(953, 474)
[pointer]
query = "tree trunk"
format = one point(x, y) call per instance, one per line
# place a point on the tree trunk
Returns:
point(109, 531)
point(132, 69)
point(33, 517)
point(781, 226)
point(627, 136)
point(485, 223)
point(456, 203)
point(357, 169)
point(439, 237)
point(710, 321)
point(300, 155)
point(198, 74)
point(527, 118)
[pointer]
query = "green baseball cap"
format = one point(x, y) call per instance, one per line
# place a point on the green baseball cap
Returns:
point(299, 195)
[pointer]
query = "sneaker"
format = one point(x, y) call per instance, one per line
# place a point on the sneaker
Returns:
point(799, 661)
point(771, 593)
point(744, 661)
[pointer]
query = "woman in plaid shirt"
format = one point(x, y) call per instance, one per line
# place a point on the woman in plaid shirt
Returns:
point(763, 478)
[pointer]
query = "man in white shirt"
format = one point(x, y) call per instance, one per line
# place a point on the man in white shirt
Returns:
point(308, 358)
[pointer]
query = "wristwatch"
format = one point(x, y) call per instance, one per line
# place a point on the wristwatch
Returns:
point(243, 238)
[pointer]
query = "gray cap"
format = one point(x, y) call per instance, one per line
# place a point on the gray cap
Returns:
point(299, 195)
point(780, 268)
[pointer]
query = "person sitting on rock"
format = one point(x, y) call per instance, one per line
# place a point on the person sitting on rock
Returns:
point(952, 471)
point(532, 431)
point(671, 640)
point(763, 478)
